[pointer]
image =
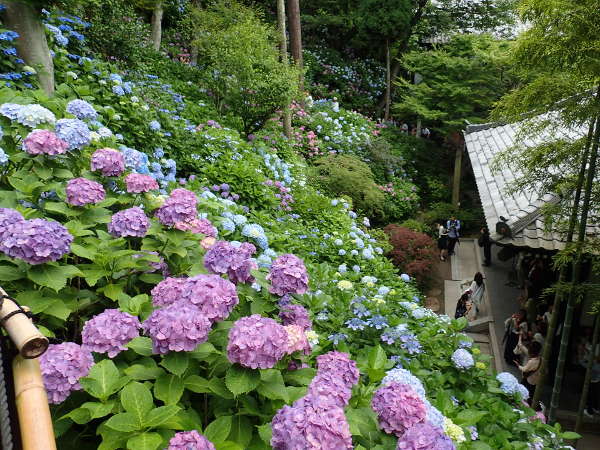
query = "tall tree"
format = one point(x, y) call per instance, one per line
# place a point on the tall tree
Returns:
point(295, 27)
point(287, 114)
point(157, 16)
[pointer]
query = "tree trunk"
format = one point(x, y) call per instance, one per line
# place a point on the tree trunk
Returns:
point(194, 47)
point(32, 45)
point(562, 277)
point(576, 278)
point(588, 374)
point(296, 38)
point(388, 81)
point(287, 115)
point(157, 15)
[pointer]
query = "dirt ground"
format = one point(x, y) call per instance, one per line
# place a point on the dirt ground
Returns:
point(435, 292)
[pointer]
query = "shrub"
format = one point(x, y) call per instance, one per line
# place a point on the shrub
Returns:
point(470, 219)
point(416, 225)
point(413, 252)
point(347, 175)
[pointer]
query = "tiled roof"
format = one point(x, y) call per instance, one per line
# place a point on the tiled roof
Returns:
point(521, 209)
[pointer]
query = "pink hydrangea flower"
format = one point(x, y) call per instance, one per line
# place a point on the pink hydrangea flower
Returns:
point(198, 226)
point(129, 222)
point(235, 261)
point(214, 296)
point(288, 275)
point(44, 142)
point(297, 341)
point(424, 436)
point(329, 384)
point(168, 291)
point(109, 332)
point(257, 342)
point(398, 408)
point(138, 183)
point(62, 366)
point(190, 440)
point(109, 161)
point(295, 315)
point(81, 191)
point(179, 207)
point(339, 364)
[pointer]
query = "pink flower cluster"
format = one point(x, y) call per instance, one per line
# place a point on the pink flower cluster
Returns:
point(129, 222)
point(284, 195)
point(295, 315)
point(214, 296)
point(235, 261)
point(44, 142)
point(424, 436)
point(389, 188)
point(138, 183)
point(168, 291)
point(257, 342)
point(336, 375)
point(398, 408)
point(198, 226)
point(288, 275)
point(108, 161)
point(179, 207)
point(62, 366)
point(186, 440)
point(81, 191)
point(109, 332)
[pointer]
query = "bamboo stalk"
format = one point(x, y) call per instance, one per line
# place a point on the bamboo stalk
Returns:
point(35, 421)
point(26, 337)
point(588, 375)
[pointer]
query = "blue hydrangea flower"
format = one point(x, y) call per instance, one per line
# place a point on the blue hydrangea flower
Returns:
point(3, 157)
point(158, 152)
point(116, 78)
point(462, 359)
point(434, 416)
point(228, 225)
point(383, 290)
point(342, 268)
point(403, 376)
point(240, 219)
point(118, 90)
point(82, 110)
point(508, 382)
point(334, 202)
point(154, 125)
point(361, 310)
point(337, 338)
point(405, 277)
point(8, 35)
point(342, 252)
point(356, 324)
point(323, 315)
point(10, 51)
point(338, 242)
point(135, 160)
point(74, 132)
point(354, 252)
point(378, 322)
point(356, 268)
point(522, 391)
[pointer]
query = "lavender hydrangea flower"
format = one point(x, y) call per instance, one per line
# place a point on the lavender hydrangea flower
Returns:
point(81, 191)
point(236, 262)
point(297, 340)
point(434, 416)
point(129, 222)
point(74, 132)
point(36, 241)
point(462, 359)
point(8, 216)
point(62, 365)
point(82, 110)
point(212, 295)
point(179, 207)
point(403, 376)
point(138, 183)
point(44, 142)
point(295, 315)
point(10, 110)
point(288, 275)
point(340, 365)
point(186, 440)
point(424, 436)
point(109, 161)
point(198, 226)
point(168, 291)
point(398, 408)
point(33, 115)
point(109, 332)
point(329, 384)
point(522, 391)
point(508, 382)
point(257, 342)
point(312, 422)
point(177, 327)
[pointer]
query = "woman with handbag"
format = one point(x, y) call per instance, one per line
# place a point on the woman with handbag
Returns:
point(530, 370)
point(514, 326)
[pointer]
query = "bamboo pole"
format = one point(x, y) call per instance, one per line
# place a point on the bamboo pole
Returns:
point(35, 421)
point(588, 375)
point(29, 341)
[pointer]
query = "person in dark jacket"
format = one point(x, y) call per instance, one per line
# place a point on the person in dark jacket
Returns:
point(486, 242)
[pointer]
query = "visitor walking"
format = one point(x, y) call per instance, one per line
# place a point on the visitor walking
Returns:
point(453, 227)
point(513, 327)
point(425, 133)
point(463, 307)
point(593, 400)
point(486, 242)
point(442, 241)
point(477, 289)
point(530, 370)
point(404, 128)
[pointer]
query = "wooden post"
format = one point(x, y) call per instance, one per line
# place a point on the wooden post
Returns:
point(26, 337)
point(35, 421)
point(457, 175)
point(388, 81)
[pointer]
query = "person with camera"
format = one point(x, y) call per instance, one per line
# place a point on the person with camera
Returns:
point(453, 227)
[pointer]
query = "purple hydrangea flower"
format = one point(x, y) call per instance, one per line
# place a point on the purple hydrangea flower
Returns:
point(168, 291)
point(186, 440)
point(81, 191)
point(82, 110)
point(198, 226)
point(257, 342)
point(214, 296)
point(462, 359)
point(44, 142)
point(62, 366)
point(109, 161)
point(109, 332)
point(225, 258)
point(74, 132)
point(312, 422)
point(398, 408)
point(179, 207)
point(330, 384)
point(423, 436)
point(138, 183)
point(297, 340)
point(288, 275)
point(176, 328)
point(8, 216)
point(295, 315)
point(403, 376)
point(36, 241)
point(129, 222)
point(339, 364)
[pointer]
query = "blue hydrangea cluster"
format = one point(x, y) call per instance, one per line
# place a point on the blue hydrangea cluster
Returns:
point(135, 160)
point(74, 132)
point(462, 359)
point(403, 376)
point(256, 233)
point(59, 37)
point(508, 382)
point(82, 110)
